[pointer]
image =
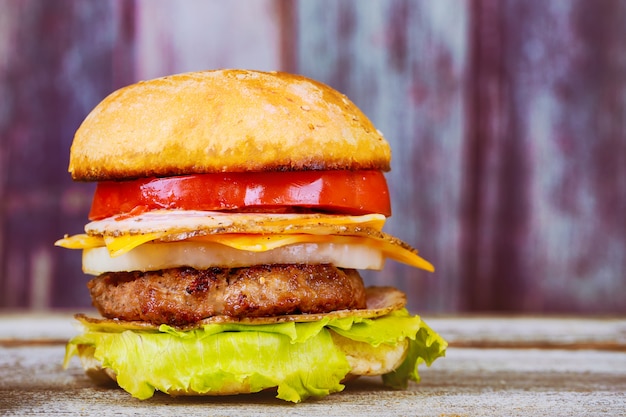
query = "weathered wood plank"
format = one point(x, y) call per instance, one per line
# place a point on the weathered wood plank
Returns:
point(468, 381)
point(537, 331)
point(547, 146)
point(58, 62)
point(507, 142)
point(474, 382)
point(403, 63)
point(485, 331)
point(62, 58)
point(194, 35)
point(506, 119)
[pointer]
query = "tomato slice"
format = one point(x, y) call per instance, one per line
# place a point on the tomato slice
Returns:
point(345, 192)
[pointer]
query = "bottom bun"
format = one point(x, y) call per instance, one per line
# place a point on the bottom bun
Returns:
point(367, 360)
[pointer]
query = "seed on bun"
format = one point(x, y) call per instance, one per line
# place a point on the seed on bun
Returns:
point(232, 212)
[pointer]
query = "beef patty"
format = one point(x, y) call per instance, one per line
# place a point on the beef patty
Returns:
point(182, 296)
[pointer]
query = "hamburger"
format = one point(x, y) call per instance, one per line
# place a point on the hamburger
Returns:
point(232, 212)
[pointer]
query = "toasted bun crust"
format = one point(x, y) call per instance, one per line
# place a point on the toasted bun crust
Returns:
point(224, 121)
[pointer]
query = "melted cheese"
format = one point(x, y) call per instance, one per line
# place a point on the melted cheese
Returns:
point(247, 233)
point(386, 246)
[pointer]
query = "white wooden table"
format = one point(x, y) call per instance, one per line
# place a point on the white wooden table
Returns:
point(505, 366)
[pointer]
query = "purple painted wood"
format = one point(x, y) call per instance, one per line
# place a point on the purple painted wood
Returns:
point(404, 64)
point(173, 37)
point(506, 120)
point(60, 63)
point(64, 56)
point(545, 203)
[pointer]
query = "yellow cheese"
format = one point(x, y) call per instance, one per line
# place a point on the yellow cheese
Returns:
point(81, 241)
point(122, 244)
point(390, 247)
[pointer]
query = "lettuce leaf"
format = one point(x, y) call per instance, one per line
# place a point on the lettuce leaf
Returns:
point(424, 348)
point(298, 358)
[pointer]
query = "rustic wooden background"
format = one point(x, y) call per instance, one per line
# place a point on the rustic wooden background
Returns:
point(507, 120)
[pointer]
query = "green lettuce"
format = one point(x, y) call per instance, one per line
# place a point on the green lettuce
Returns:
point(300, 359)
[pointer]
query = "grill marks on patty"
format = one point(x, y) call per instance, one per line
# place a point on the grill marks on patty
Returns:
point(182, 296)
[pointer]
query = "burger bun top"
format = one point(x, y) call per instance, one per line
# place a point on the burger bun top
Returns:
point(224, 121)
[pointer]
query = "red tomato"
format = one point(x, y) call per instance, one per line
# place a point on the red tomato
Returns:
point(346, 192)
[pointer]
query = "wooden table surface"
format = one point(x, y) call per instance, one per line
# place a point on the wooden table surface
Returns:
point(505, 366)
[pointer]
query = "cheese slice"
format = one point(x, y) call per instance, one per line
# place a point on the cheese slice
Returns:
point(387, 245)
point(121, 244)
point(245, 232)
point(80, 241)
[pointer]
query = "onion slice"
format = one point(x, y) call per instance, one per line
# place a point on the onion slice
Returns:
point(203, 255)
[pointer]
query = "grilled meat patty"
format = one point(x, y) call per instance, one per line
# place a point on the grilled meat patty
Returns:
point(181, 296)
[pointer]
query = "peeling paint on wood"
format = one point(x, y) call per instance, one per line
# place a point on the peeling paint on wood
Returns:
point(507, 121)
